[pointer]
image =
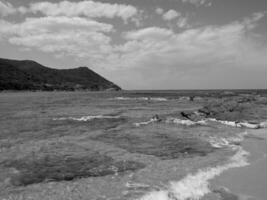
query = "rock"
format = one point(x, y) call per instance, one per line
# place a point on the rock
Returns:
point(228, 109)
point(164, 146)
point(66, 168)
point(193, 116)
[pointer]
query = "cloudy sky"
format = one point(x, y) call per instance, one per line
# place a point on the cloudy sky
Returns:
point(144, 44)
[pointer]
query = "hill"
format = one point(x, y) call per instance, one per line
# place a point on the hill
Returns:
point(30, 75)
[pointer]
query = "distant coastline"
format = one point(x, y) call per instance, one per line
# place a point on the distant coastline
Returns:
point(27, 75)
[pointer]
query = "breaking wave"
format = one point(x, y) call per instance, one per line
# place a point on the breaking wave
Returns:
point(174, 121)
point(86, 118)
point(138, 124)
point(241, 124)
point(205, 122)
point(220, 142)
point(186, 122)
point(141, 98)
point(196, 186)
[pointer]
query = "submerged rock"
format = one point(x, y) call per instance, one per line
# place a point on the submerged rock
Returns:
point(32, 170)
point(235, 109)
point(154, 119)
point(163, 146)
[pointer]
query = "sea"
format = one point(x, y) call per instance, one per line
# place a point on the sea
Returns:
point(149, 152)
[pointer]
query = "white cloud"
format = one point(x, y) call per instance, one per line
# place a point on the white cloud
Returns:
point(159, 11)
point(165, 56)
point(151, 33)
point(6, 9)
point(158, 53)
point(249, 21)
point(162, 47)
point(198, 2)
point(84, 8)
point(73, 36)
point(33, 26)
point(183, 22)
point(170, 15)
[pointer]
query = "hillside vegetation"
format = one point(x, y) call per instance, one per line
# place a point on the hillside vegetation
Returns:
point(30, 75)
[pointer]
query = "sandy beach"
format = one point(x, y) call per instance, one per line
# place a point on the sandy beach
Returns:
point(249, 182)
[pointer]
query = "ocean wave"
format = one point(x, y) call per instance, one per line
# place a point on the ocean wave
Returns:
point(159, 99)
point(136, 185)
point(241, 124)
point(205, 122)
point(220, 142)
point(141, 98)
point(196, 186)
point(184, 98)
point(174, 121)
point(186, 122)
point(86, 118)
point(138, 124)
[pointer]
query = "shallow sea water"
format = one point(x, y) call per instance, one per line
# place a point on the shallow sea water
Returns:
point(249, 182)
point(179, 160)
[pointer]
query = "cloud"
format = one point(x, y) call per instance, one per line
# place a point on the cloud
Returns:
point(90, 9)
point(162, 47)
point(151, 33)
point(198, 2)
point(163, 55)
point(250, 21)
point(69, 36)
point(170, 15)
point(159, 11)
point(183, 22)
point(168, 57)
point(6, 9)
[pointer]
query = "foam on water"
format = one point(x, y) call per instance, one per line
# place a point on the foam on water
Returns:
point(184, 98)
point(141, 98)
point(174, 121)
point(185, 122)
point(204, 122)
point(220, 142)
point(86, 118)
point(159, 99)
point(241, 124)
point(196, 186)
point(145, 123)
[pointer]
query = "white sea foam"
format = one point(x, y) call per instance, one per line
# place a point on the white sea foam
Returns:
point(123, 98)
point(241, 124)
point(86, 118)
point(184, 98)
point(146, 123)
point(174, 121)
point(141, 98)
point(186, 122)
point(159, 99)
point(219, 142)
point(195, 186)
point(136, 185)
point(263, 124)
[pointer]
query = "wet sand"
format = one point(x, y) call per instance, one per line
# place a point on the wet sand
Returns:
point(250, 182)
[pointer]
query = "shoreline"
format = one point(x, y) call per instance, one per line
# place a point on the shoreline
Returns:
point(248, 182)
point(197, 185)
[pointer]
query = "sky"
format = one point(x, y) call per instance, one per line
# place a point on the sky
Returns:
point(144, 44)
